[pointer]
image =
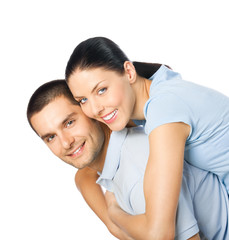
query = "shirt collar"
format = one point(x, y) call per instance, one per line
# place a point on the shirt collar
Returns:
point(112, 158)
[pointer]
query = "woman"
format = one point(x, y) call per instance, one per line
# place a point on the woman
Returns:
point(182, 120)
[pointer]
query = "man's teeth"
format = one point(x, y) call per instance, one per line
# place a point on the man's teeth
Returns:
point(108, 117)
point(77, 150)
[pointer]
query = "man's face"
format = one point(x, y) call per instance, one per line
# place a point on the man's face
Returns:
point(68, 133)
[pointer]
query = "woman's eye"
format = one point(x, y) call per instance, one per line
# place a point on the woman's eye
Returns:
point(102, 90)
point(83, 100)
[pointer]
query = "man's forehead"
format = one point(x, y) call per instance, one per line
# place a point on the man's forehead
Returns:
point(63, 98)
point(61, 106)
point(54, 115)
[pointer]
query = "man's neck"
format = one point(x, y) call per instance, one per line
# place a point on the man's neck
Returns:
point(98, 163)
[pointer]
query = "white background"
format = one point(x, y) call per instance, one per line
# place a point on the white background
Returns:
point(38, 197)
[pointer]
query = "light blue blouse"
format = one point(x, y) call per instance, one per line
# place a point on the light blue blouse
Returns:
point(206, 111)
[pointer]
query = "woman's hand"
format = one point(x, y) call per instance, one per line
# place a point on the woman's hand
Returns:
point(162, 181)
point(85, 180)
point(113, 208)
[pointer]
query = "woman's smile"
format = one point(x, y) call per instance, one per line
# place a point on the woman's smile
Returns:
point(109, 96)
point(110, 117)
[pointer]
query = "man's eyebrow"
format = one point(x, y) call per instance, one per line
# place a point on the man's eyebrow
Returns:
point(62, 123)
point(43, 137)
point(68, 116)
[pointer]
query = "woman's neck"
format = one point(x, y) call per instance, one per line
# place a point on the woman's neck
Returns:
point(141, 88)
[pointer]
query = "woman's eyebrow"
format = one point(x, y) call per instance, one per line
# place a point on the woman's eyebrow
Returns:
point(93, 89)
point(97, 86)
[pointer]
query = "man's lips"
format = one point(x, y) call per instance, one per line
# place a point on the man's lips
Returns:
point(110, 117)
point(77, 150)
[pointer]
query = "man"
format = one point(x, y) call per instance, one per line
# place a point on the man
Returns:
point(56, 117)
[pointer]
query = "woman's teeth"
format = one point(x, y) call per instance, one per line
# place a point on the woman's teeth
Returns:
point(111, 115)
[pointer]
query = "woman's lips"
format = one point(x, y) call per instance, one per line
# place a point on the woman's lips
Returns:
point(109, 118)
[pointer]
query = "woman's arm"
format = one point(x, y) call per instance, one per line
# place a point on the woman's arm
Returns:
point(162, 183)
point(92, 193)
point(113, 206)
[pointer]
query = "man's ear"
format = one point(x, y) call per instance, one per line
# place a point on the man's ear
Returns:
point(130, 71)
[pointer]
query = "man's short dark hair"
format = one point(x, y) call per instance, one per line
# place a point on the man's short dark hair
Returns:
point(45, 94)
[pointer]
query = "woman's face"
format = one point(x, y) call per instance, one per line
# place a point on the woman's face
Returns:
point(104, 95)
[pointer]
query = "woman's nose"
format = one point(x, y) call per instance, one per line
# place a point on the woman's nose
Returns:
point(97, 108)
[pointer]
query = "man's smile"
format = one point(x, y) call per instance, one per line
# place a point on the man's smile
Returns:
point(77, 151)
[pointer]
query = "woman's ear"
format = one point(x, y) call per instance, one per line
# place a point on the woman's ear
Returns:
point(130, 71)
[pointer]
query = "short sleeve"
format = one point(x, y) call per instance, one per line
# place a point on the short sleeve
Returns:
point(166, 108)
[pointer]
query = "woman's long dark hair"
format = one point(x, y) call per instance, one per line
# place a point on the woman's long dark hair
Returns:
point(102, 52)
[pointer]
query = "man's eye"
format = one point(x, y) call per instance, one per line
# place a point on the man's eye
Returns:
point(69, 123)
point(102, 90)
point(50, 138)
point(83, 100)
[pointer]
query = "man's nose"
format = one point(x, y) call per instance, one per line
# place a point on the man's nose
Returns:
point(67, 140)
